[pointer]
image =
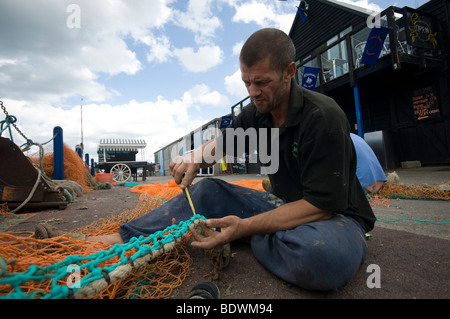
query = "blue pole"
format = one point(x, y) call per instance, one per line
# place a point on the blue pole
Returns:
point(58, 154)
point(359, 120)
point(79, 151)
point(92, 167)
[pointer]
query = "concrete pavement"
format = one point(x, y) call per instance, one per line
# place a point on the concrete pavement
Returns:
point(413, 256)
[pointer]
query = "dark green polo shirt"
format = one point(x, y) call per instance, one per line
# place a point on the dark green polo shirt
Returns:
point(317, 159)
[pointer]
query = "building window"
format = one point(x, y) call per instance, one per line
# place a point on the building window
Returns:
point(345, 31)
point(335, 61)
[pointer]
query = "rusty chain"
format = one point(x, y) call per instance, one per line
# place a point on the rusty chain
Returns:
point(11, 120)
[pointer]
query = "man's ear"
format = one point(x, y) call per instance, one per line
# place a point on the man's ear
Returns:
point(290, 70)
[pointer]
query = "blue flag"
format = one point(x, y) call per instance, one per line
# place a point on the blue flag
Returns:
point(310, 75)
point(303, 13)
point(225, 121)
point(374, 45)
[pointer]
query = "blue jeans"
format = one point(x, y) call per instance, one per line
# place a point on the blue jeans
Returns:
point(321, 255)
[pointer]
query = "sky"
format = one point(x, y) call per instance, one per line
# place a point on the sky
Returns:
point(129, 69)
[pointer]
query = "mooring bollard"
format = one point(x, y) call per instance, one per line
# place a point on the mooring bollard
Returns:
point(58, 154)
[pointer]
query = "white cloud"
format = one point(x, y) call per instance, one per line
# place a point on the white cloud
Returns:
point(110, 56)
point(275, 14)
point(237, 48)
point(160, 49)
point(260, 13)
point(235, 86)
point(45, 64)
point(204, 59)
point(159, 123)
point(202, 94)
point(53, 62)
point(199, 19)
point(49, 80)
point(366, 4)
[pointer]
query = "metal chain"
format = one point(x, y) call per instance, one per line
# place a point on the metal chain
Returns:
point(13, 124)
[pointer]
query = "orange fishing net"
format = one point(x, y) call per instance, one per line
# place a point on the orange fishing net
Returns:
point(409, 191)
point(155, 280)
point(172, 189)
point(74, 168)
point(255, 184)
point(4, 210)
point(158, 190)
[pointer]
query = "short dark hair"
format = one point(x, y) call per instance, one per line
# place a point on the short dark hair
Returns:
point(271, 43)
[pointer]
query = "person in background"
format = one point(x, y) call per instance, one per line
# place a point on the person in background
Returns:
point(368, 168)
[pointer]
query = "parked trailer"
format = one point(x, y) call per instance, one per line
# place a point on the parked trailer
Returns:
point(118, 157)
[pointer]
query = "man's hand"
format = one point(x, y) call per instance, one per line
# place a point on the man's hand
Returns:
point(229, 231)
point(287, 216)
point(184, 170)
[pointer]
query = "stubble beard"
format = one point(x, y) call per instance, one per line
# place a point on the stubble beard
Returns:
point(276, 101)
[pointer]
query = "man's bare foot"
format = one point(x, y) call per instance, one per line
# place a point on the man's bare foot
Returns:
point(111, 239)
point(44, 231)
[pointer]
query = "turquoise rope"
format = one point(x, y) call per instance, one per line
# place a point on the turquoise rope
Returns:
point(412, 219)
point(369, 198)
point(58, 271)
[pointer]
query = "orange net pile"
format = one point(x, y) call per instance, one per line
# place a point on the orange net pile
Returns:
point(158, 190)
point(4, 211)
point(255, 184)
point(74, 168)
point(410, 191)
point(171, 189)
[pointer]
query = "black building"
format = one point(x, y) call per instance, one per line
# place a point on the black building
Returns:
point(400, 105)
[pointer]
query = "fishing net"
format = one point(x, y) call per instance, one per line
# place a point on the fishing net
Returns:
point(34, 268)
point(410, 191)
point(74, 167)
point(395, 191)
point(171, 189)
point(158, 190)
point(145, 267)
point(42, 268)
point(149, 267)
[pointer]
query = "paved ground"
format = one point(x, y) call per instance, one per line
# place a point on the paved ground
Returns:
point(413, 258)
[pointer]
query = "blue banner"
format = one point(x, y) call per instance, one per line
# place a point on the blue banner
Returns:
point(303, 13)
point(225, 121)
point(310, 75)
point(374, 45)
